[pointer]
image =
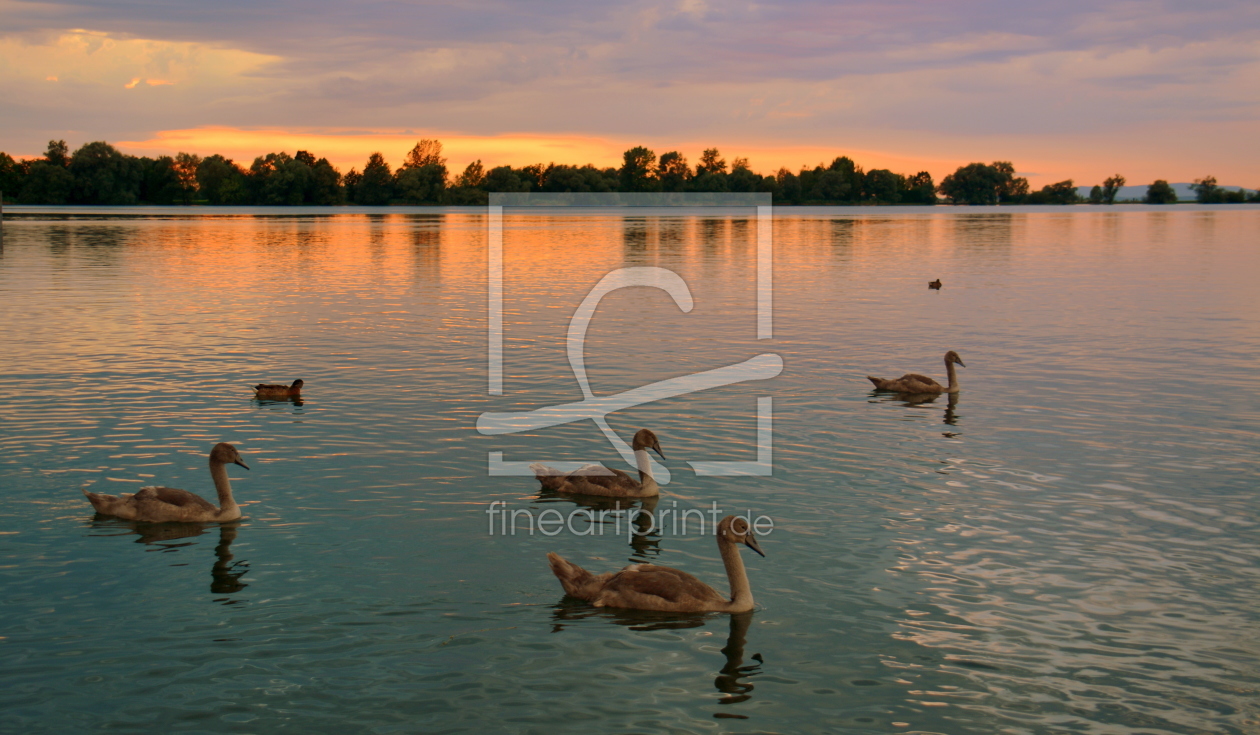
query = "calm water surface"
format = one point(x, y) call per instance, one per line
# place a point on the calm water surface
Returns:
point(1071, 546)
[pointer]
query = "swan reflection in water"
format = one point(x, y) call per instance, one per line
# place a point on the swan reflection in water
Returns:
point(646, 538)
point(731, 680)
point(921, 400)
point(225, 573)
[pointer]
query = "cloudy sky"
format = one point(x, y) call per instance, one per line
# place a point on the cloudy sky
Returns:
point(1066, 89)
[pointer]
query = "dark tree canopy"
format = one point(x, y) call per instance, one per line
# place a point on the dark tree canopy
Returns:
point(638, 170)
point(1160, 193)
point(97, 173)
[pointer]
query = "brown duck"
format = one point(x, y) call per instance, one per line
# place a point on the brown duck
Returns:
point(167, 504)
point(652, 587)
point(935, 285)
point(921, 384)
point(597, 479)
point(278, 392)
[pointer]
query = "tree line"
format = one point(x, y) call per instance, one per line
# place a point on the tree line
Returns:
point(98, 173)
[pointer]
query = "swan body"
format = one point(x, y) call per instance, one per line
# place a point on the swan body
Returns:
point(595, 479)
point(935, 285)
point(167, 504)
point(922, 384)
point(652, 587)
point(265, 390)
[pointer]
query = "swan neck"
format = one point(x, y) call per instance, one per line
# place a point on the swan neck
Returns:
point(953, 377)
point(645, 470)
point(741, 590)
point(227, 505)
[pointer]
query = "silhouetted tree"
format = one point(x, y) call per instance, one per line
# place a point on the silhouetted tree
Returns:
point(221, 181)
point(637, 170)
point(474, 174)
point(711, 162)
point(1096, 195)
point(103, 175)
point(427, 152)
point(789, 187)
point(919, 189)
point(741, 178)
point(882, 186)
point(278, 179)
point(673, 172)
point(186, 169)
point(1111, 187)
point(1160, 193)
point(425, 184)
point(58, 153)
point(978, 183)
point(504, 179)
point(161, 181)
point(1013, 188)
point(375, 187)
point(1206, 190)
point(11, 175)
point(46, 183)
point(326, 189)
point(1064, 192)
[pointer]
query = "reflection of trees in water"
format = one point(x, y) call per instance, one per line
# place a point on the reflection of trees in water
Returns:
point(984, 230)
point(225, 573)
point(100, 244)
point(731, 680)
point(426, 244)
point(634, 236)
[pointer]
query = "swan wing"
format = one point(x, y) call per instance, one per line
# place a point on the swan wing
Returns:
point(174, 497)
point(915, 378)
point(618, 480)
point(669, 586)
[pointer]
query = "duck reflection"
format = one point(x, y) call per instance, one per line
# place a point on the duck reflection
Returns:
point(732, 679)
point(646, 538)
point(225, 573)
point(278, 401)
point(917, 400)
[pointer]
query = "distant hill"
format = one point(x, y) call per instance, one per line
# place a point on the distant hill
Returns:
point(1184, 192)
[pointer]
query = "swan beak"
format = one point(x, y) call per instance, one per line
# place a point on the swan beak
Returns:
point(751, 542)
point(241, 464)
point(657, 449)
point(960, 362)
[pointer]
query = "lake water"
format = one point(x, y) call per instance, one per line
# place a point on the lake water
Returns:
point(1073, 545)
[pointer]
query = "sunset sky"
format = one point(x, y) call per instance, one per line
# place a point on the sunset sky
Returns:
point(1067, 89)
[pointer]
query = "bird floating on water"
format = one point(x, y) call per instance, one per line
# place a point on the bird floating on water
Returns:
point(596, 479)
point(652, 587)
point(922, 384)
point(167, 504)
point(278, 392)
point(935, 285)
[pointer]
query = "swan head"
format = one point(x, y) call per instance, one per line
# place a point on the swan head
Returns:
point(224, 453)
point(645, 439)
point(735, 530)
point(953, 357)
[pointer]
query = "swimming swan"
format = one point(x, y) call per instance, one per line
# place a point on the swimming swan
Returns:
point(167, 504)
point(920, 384)
point(280, 392)
point(595, 479)
point(652, 587)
